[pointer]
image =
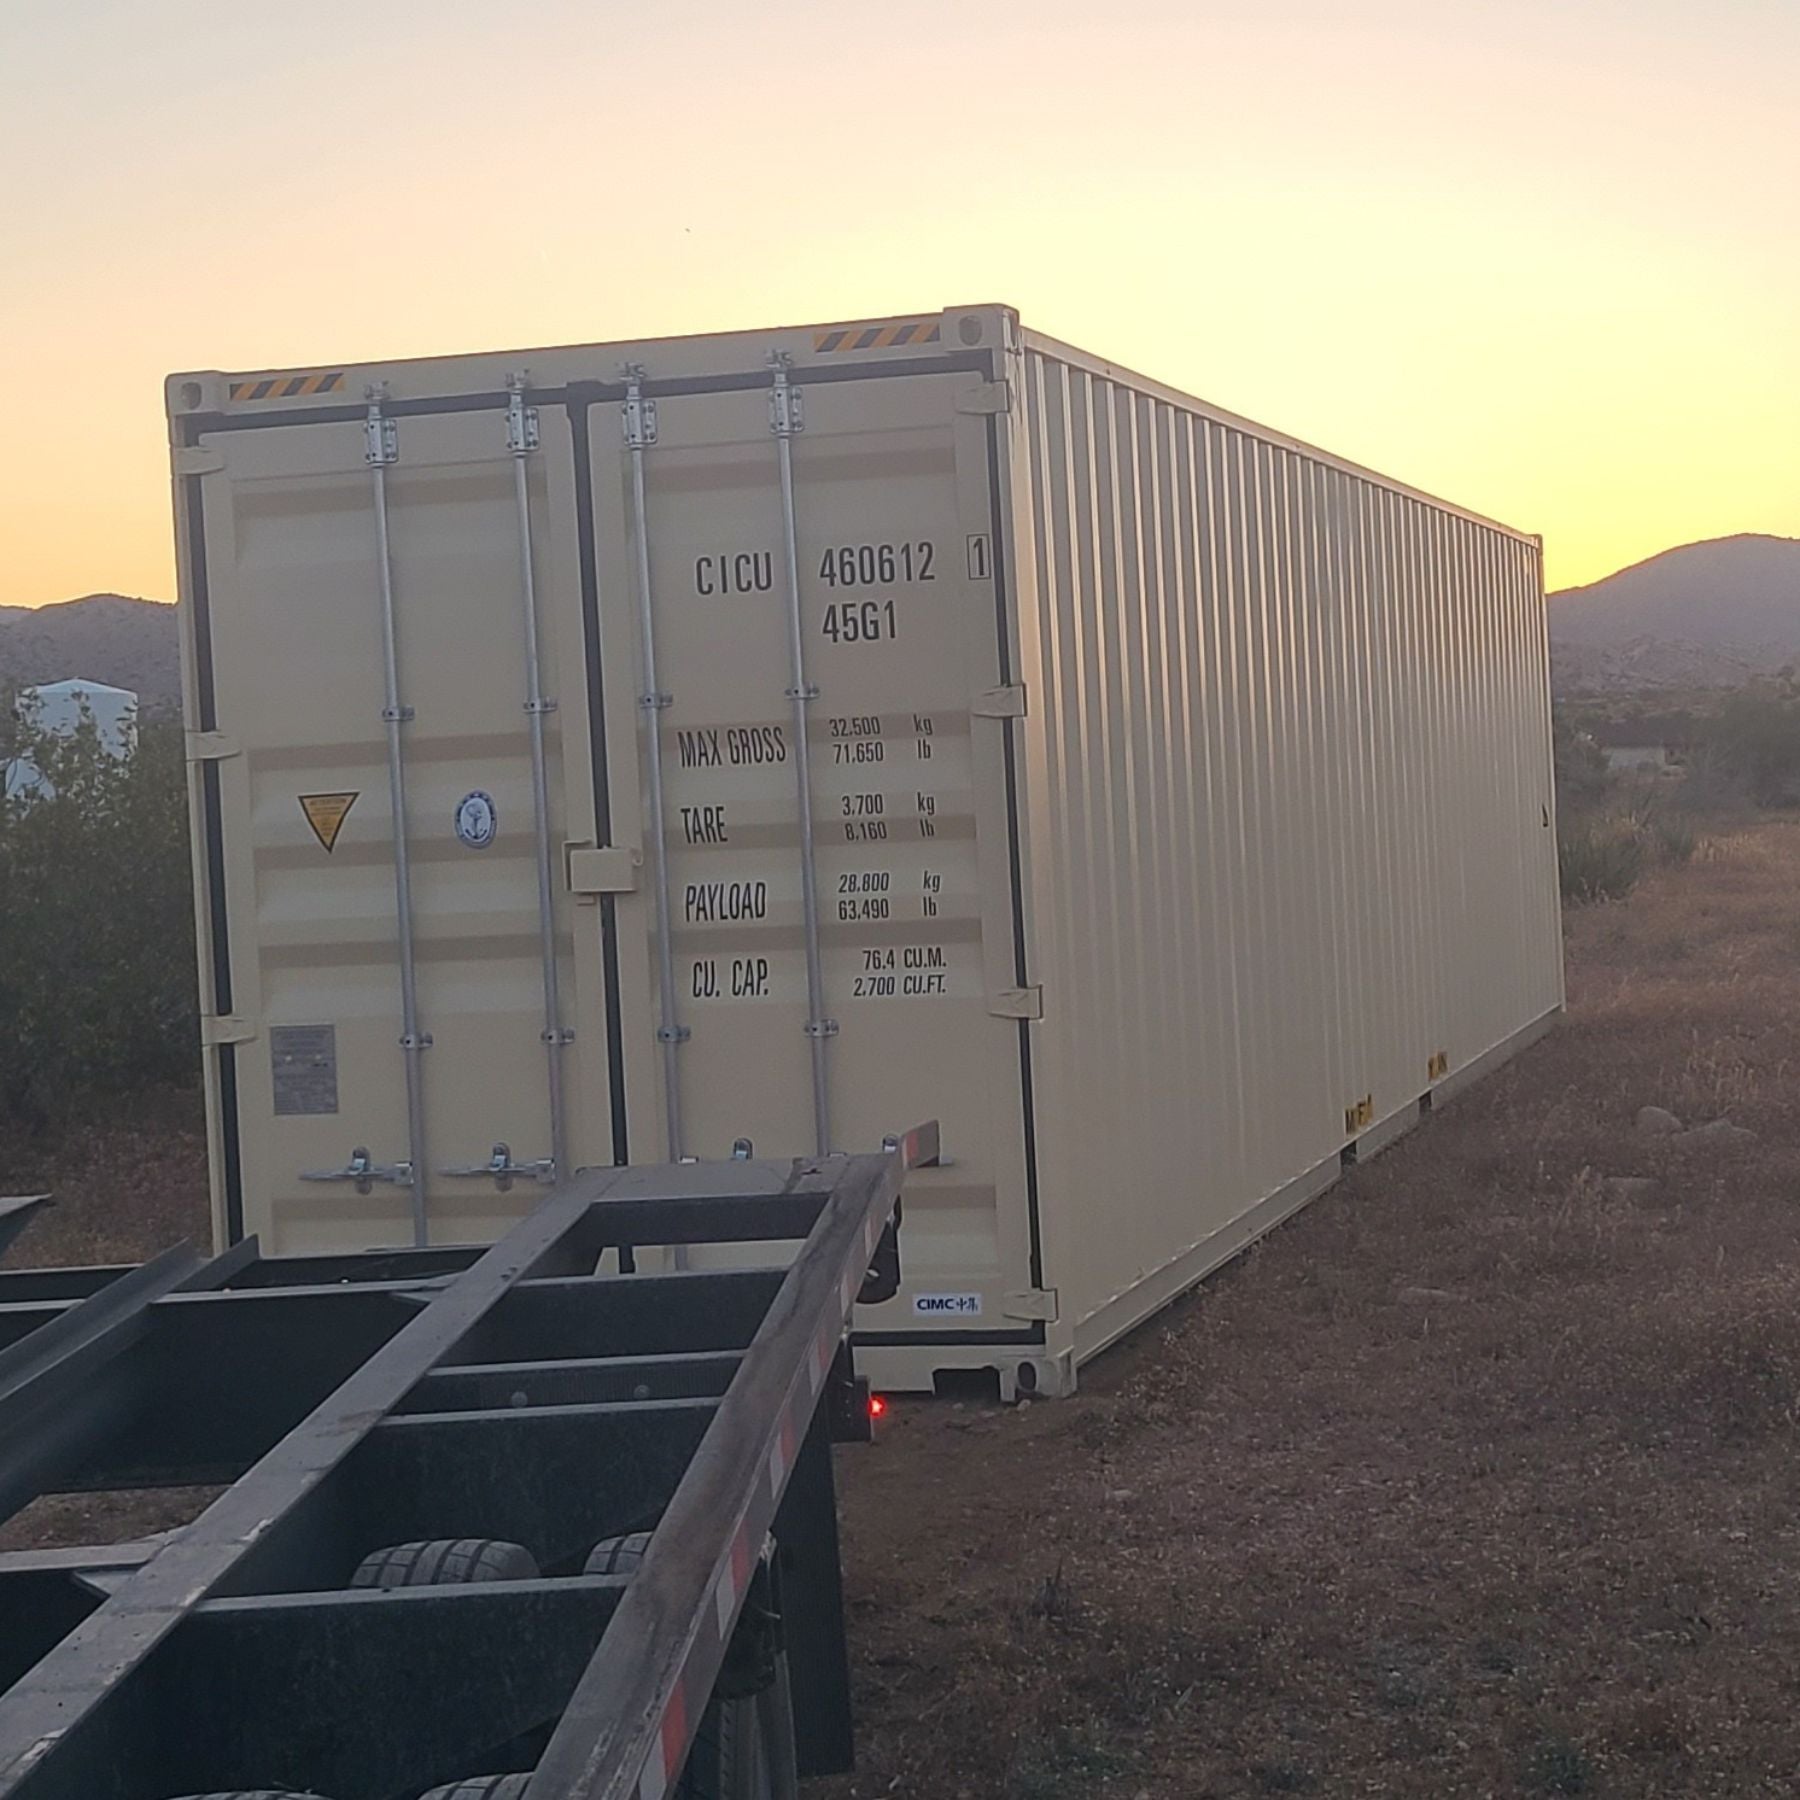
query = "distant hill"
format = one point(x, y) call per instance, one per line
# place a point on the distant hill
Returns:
point(1712, 614)
point(104, 637)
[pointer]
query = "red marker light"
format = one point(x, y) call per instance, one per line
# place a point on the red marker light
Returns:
point(877, 1406)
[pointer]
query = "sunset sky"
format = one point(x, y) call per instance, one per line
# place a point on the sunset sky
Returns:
point(1539, 256)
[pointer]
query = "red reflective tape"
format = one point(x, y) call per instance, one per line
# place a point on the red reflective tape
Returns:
point(674, 1735)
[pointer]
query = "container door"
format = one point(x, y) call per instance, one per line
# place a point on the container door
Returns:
point(894, 1001)
point(364, 628)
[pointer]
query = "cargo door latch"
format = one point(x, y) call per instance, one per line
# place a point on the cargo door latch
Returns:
point(503, 1170)
point(363, 1171)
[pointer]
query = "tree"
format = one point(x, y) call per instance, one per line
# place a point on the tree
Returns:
point(97, 978)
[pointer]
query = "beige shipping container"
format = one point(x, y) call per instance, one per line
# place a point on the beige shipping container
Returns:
point(800, 733)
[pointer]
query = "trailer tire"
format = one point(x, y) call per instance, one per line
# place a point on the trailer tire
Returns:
point(723, 1763)
point(482, 1787)
point(251, 1794)
point(743, 1746)
point(445, 1562)
point(617, 1555)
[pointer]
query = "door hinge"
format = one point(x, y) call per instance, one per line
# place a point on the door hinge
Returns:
point(210, 746)
point(988, 397)
point(787, 405)
point(1017, 1003)
point(225, 1028)
point(521, 420)
point(1034, 1303)
point(198, 459)
point(381, 436)
point(607, 869)
point(999, 703)
point(637, 417)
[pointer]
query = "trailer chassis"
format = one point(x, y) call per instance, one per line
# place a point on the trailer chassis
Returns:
point(519, 1394)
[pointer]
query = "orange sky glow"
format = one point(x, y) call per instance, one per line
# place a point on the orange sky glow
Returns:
point(1542, 259)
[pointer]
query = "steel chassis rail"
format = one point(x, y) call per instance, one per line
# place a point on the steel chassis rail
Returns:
point(357, 1402)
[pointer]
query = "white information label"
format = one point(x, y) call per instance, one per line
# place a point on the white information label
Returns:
point(937, 1306)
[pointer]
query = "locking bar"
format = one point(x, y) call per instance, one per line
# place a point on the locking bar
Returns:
point(639, 423)
point(786, 418)
point(521, 441)
point(381, 452)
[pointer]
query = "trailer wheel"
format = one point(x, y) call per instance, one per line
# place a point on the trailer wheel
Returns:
point(617, 1555)
point(744, 1749)
point(483, 1787)
point(252, 1794)
point(445, 1562)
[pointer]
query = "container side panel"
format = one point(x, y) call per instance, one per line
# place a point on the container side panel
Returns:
point(1289, 804)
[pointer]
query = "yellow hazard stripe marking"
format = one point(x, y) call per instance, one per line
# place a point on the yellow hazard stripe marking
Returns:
point(286, 387)
point(878, 337)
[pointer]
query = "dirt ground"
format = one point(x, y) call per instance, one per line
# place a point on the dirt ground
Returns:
point(1478, 1478)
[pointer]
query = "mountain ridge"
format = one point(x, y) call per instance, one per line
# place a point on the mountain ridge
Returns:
point(1715, 613)
point(1712, 614)
point(120, 639)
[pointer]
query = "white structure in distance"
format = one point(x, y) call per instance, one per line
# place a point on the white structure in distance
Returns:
point(61, 706)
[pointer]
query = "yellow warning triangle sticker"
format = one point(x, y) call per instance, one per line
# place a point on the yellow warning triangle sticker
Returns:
point(326, 814)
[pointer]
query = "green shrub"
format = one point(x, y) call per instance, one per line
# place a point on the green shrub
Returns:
point(1600, 859)
point(97, 980)
point(1578, 762)
point(1756, 735)
point(1673, 836)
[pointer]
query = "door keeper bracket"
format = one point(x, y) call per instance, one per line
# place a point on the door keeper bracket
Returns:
point(999, 703)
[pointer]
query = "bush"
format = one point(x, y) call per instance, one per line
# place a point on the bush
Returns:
point(1672, 836)
point(1600, 859)
point(1578, 762)
point(1756, 735)
point(97, 982)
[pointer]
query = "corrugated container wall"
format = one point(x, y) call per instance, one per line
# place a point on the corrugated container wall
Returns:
point(801, 733)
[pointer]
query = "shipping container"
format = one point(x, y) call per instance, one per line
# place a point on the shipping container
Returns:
point(640, 750)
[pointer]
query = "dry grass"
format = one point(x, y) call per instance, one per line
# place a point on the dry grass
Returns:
point(130, 1183)
point(1476, 1479)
